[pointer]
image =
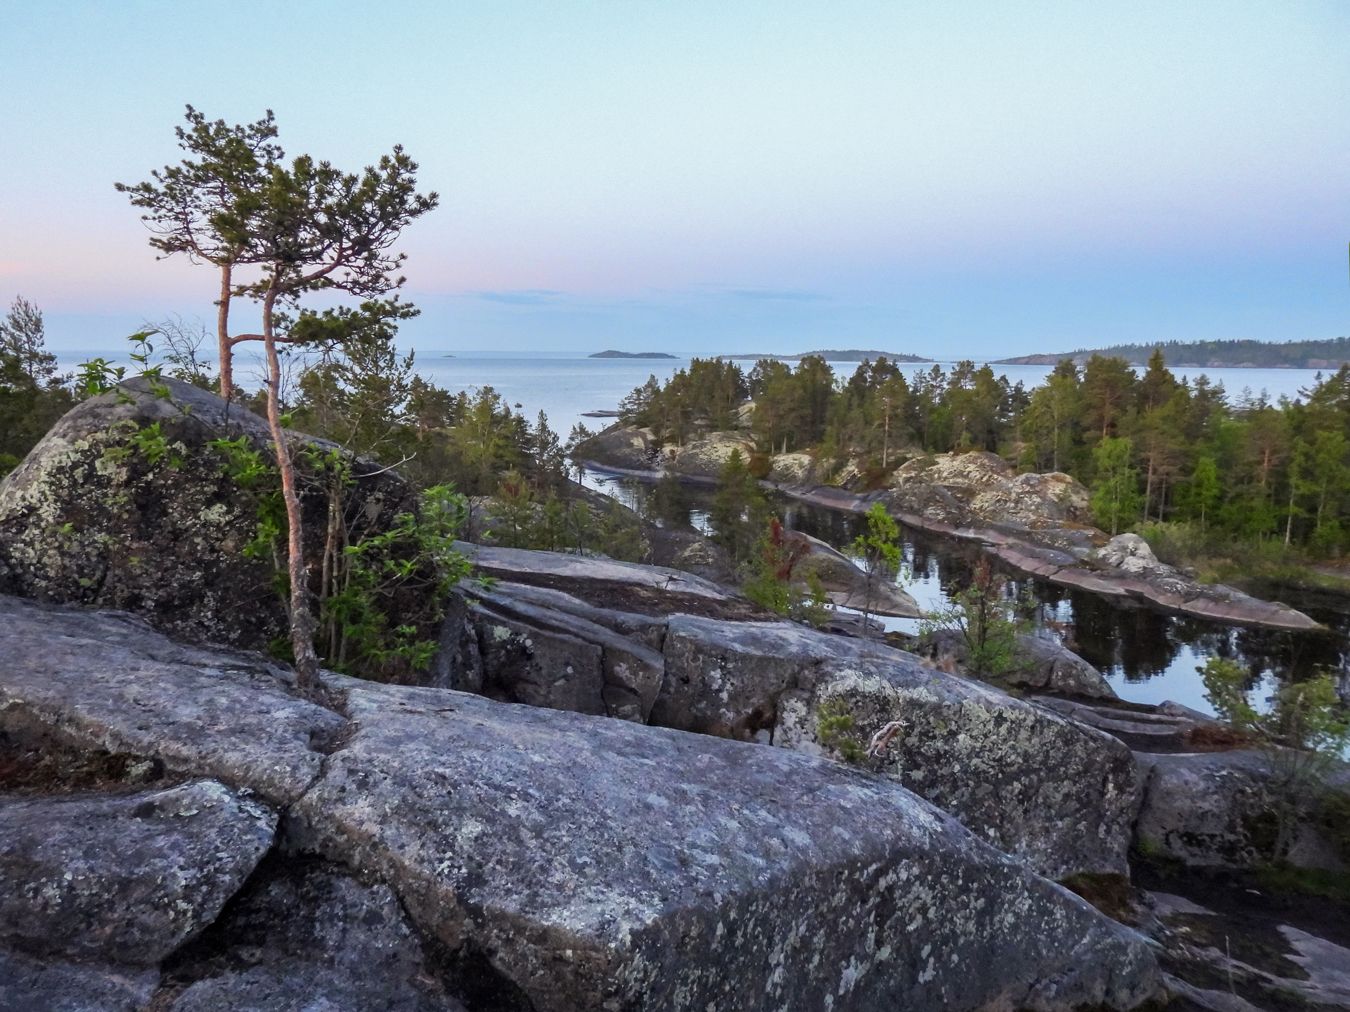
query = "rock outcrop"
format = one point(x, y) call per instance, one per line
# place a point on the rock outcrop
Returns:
point(717, 666)
point(180, 853)
point(83, 680)
point(549, 859)
point(706, 456)
point(1038, 663)
point(1222, 810)
point(968, 748)
point(89, 517)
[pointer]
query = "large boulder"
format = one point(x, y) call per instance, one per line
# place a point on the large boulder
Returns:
point(100, 514)
point(966, 747)
point(706, 456)
point(105, 682)
point(552, 860)
point(124, 878)
point(1222, 810)
point(1038, 663)
point(597, 864)
point(981, 487)
point(626, 447)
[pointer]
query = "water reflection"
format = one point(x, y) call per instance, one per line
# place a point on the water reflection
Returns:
point(1148, 656)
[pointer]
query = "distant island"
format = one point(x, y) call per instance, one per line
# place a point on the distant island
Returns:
point(835, 355)
point(630, 354)
point(1331, 353)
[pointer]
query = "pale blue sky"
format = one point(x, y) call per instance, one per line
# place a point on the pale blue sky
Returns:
point(973, 178)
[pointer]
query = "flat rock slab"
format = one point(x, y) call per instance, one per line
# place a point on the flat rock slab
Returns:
point(105, 681)
point(597, 864)
point(308, 937)
point(124, 878)
point(1052, 791)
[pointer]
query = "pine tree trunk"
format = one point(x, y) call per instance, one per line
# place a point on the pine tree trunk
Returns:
point(302, 616)
point(223, 335)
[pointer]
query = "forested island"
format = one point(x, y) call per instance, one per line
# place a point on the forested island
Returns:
point(1331, 353)
point(1197, 473)
point(835, 355)
point(611, 353)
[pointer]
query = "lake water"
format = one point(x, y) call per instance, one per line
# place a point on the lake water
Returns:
point(1146, 655)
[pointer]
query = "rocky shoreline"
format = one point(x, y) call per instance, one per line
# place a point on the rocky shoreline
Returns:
point(1035, 524)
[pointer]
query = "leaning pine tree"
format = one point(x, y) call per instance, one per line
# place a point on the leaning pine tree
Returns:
point(308, 228)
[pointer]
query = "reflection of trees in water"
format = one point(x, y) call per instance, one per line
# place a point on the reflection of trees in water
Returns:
point(1137, 642)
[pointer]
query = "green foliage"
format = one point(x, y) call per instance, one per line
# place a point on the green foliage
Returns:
point(878, 549)
point(1115, 494)
point(986, 620)
point(774, 579)
point(1303, 735)
point(739, 510)
point(835, 727)
point(1151, 447)
point(414, 558)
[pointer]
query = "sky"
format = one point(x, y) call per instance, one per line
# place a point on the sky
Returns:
point(973, 179)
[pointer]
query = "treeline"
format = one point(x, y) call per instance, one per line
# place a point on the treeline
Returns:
point(1330, 353)
point(1153, 448)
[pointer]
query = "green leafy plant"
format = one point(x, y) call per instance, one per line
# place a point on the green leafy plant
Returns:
point(877, 548)
point(835, 726)
point(986, 620)
point(1303, 734)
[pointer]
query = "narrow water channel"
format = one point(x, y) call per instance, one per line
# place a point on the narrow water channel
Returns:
point(1147, 655)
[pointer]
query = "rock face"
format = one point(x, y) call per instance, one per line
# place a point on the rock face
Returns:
point(555, 860)
point(846, 584)
point(308, 936)
point(88, 517)
point(624, 446)
point(179, 854)
point(983, 487)
point(705, 457)
point(1040, 664)
point(1218, 810)
point(598, 864)
point(82, 679)
point(724, 670)
point(968, 748)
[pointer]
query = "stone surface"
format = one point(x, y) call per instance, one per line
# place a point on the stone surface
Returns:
point(1040, 664)
point(546, 655)
point(87, 517)
point(106, 682)
point(30, 984)
point(846, 584)
point(124, 878)
point(966, 747)
point(620, 445)
point(1215, 809)
point(598, 864)
point(1131, 553)
point(707, 456)
point(309, 937)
